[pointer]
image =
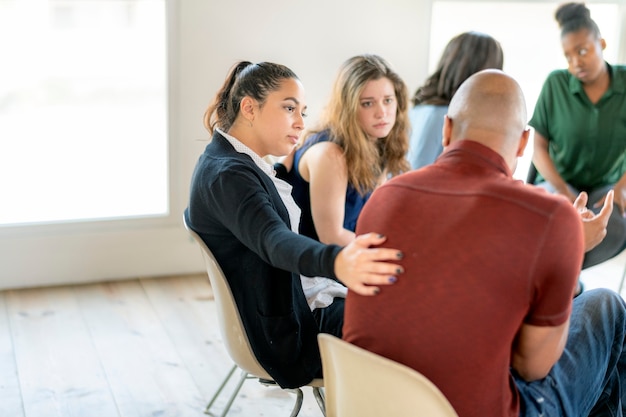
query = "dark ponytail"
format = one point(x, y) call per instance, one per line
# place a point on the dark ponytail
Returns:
point(573, 17)
point(244, 79)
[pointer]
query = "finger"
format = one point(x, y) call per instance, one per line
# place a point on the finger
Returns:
point(607, 208)
point(581, 201)
point(366, 290)
point(369, 284)
point(378, 254)
point(383, 254)
point(370, 239)
point(373, 280)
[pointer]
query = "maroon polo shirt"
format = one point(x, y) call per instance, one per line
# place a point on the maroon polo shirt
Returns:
point(483, 253)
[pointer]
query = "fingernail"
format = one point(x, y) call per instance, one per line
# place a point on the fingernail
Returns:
point(399, 271)
point(380, 236)
point(400, 255)
point(376, 291)
point(392, 279)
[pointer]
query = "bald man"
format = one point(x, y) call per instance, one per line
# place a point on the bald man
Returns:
point(484, 307)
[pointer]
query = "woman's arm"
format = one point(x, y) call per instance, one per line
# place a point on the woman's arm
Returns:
point(323, 166)
point(545, 166)
point(240, 202)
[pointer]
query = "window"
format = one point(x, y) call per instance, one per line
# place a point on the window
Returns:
point(83, 110)
point(530, 41)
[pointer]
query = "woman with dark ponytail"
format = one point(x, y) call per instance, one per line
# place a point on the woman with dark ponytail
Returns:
point(247, 218)
point(580, 127)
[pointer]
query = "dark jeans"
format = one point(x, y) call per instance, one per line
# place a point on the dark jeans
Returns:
point(590, 377)
point(330, 319)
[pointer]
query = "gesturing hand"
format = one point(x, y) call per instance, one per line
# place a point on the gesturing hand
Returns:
point(619, 198)
point(362, 268)
point(594, 225)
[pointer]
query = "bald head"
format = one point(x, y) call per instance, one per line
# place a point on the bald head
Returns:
point(489, 108)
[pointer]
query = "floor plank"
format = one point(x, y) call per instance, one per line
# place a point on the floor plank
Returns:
point(145, 372)
point(59, 371)
point(10, 397)
point(186, 309)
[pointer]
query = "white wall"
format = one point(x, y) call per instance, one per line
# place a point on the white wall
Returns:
point(207, 37)
point(312, 38)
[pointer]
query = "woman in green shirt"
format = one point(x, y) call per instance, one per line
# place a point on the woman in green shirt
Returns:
point(580, 127)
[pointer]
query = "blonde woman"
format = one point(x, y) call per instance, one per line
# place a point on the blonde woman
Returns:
point(362, 140)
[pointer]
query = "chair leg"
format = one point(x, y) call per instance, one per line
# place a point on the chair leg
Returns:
point(321, 400)
point(242, 379)
point(298, 405)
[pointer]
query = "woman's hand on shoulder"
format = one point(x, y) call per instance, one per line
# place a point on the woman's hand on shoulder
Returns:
point(363, 269)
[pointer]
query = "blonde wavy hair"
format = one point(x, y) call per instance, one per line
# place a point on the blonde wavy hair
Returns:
point(366, 161)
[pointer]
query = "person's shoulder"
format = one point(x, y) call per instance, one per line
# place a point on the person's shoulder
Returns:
point(533, 198)
point(410, 178)
point(227, 165)
point(427, 110)
point(558, 76)
point(619, 71)
point(325, 149)
point(311, 139)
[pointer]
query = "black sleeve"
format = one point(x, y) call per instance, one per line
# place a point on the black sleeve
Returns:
point(243, 204)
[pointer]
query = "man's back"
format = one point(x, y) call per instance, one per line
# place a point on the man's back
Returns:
point(483, 254)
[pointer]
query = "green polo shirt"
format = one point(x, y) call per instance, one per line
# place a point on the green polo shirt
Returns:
point(586, 141)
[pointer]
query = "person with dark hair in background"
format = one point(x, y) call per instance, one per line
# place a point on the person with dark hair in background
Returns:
point(464, 55)
point(248, 219)
point(580, 127)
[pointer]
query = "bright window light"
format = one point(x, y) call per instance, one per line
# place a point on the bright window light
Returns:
point(83, 110)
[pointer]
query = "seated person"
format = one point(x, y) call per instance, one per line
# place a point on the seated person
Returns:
point(362, 139)
point(580, 127)
point(245, 215)
point(464, 55)
point(485, 308)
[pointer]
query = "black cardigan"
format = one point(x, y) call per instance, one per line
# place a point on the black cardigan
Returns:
point(236, 209)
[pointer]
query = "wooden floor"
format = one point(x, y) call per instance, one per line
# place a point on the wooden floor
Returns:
point(140, 348)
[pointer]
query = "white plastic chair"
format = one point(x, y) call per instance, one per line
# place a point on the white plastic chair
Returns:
point(360, 383)
point(236, 340)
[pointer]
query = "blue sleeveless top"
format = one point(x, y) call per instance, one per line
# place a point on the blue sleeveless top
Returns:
point(302, 196)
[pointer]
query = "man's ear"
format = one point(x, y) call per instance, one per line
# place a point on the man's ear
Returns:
point(603, 43)
point(523, 142)
point(446, 132)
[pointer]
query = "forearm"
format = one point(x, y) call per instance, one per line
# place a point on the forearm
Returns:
point(337, 236)
point(545, 166)
point(537, 349)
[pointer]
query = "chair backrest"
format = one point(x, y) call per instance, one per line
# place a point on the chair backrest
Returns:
point(231, 327)
point(364, 384)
